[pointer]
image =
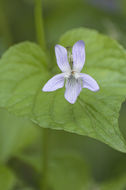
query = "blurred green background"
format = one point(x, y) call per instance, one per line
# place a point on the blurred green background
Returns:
point(88, 163)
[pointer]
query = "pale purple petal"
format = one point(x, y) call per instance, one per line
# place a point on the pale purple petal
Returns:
point(54, 83)
point(78, 52)
point(73, 89)
point(61, 57)
point(89, 82)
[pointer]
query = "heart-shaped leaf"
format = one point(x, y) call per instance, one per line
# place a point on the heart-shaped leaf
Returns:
point(23, 73)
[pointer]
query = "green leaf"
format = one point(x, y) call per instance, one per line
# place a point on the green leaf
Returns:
point(94, 114)
point(22, 70)
point(23, 73)
point(14, 134)
point(7, 179)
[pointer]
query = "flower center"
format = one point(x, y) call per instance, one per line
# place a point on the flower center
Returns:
point(75, 74)
point(72, 72)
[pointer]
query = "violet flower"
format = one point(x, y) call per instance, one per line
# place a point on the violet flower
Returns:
point(71, 76)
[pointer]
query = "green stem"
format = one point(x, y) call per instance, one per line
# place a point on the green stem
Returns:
point(41, 41)
point(43, 183)
point(39, 24)
point(5, 29)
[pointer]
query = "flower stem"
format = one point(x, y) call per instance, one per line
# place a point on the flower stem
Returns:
point(39, 24)
point(41, 41)
point(5, 28)
point(43, 182)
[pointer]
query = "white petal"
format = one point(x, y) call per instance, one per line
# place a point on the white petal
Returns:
point(73, 89)
point(89, 82)
point(78, 52)
point(54, 83)
point(62, 60)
